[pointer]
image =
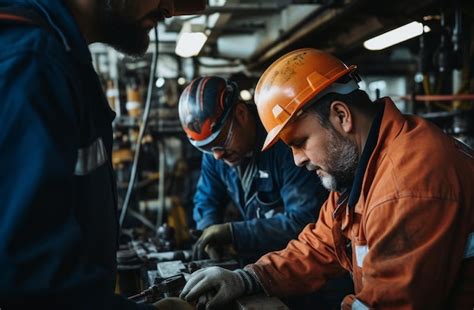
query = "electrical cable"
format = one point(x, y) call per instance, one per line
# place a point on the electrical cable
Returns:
point(143, 127)
point(161, 185)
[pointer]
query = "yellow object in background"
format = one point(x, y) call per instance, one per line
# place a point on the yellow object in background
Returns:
point(134, 101)
point(177, 220)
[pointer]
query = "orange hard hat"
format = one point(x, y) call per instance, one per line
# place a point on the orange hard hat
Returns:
point(296, 79)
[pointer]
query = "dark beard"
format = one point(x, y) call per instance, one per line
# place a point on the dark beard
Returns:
point(343, 160)
point(129, 40)
point(120, 31)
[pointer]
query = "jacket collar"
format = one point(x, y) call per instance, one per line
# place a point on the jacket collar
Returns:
point(351, 195)
point(386, 126)
point(365, 157)
point(61, 21)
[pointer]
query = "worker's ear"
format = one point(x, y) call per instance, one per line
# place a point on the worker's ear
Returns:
point(341, 117)
point(241, 113)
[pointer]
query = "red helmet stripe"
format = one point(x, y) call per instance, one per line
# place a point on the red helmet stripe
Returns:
point(202, 86)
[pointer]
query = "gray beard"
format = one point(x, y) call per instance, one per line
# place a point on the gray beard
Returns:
point(342, 164)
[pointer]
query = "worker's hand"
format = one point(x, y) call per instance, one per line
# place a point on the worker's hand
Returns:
point(224, 286)
point(173, 303)
point(212, 241)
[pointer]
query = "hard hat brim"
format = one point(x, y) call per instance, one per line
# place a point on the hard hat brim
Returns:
point(208, 140)
point(272, 137)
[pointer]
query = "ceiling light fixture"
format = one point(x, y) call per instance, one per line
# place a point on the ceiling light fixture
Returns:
point(245, 95)
point(160, 82)
point(190, 41)
point(181, 81)
point(396, 36)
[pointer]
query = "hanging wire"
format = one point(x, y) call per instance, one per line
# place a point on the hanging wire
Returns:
point(143, 127)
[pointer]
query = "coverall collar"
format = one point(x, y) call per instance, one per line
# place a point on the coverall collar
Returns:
point(61, 20)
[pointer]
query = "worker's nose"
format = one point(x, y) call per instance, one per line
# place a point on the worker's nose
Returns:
point(299, 157)
point(167, 8)
point(218, 154)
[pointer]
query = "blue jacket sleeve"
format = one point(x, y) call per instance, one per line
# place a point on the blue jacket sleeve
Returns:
point(302, 195)
point(41, 255)
point(211, 195)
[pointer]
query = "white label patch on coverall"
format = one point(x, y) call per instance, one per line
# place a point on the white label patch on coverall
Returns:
point(359, 305)
point(361, 252)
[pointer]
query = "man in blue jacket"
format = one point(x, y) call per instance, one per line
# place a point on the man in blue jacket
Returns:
point(58, 224)
point(276, 199)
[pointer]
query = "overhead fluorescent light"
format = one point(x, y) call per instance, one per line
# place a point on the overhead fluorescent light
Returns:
point(191, 39)
point(190, 44)
point(216, 2)
point(396, 36)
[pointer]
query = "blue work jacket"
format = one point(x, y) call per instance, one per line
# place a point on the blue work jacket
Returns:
point(282, 200)
point(58, 223)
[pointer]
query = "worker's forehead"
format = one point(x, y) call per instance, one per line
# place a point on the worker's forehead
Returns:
point(297, 126)
point(288, 132)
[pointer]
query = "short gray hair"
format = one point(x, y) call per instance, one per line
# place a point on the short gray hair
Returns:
point(358, 99)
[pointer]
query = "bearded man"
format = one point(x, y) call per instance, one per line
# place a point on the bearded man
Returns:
point(58, 223)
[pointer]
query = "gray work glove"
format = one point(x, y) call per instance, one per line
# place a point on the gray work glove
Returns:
point(224, 286)
point(213, 241)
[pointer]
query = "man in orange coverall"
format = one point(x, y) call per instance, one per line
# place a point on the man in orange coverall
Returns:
point(400, 216)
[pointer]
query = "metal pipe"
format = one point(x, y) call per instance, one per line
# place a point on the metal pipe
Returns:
point(457, 39)
point(457, 30)
point(461, 97)
point(292, 36)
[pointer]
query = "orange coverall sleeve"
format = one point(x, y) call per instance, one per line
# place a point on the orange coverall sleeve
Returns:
point(415, 251)
point(304, 265)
